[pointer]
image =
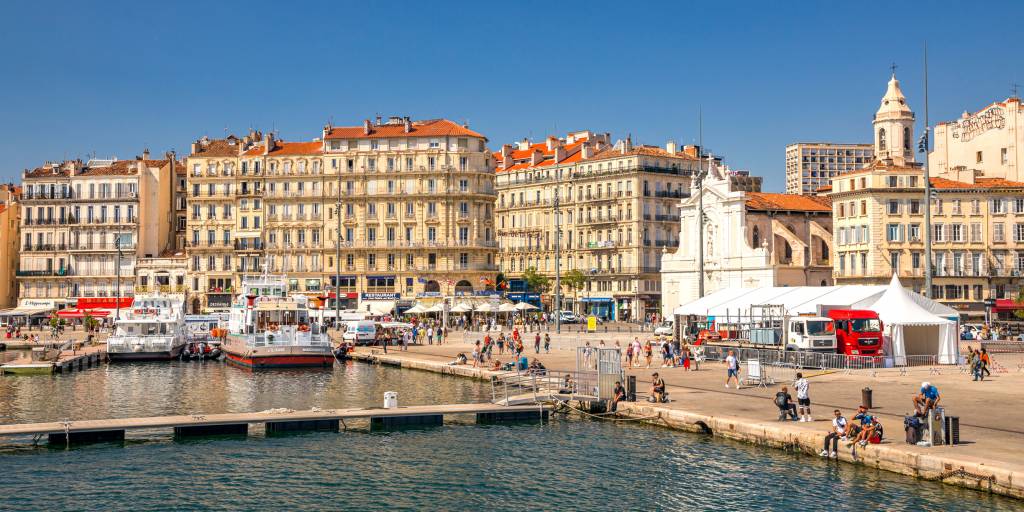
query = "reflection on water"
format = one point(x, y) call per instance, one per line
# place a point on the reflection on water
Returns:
point(564, 464)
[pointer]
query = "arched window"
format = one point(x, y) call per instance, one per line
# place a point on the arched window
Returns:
point(788, 252)
point(757, 238)
point(906, 138)
point(881, 139)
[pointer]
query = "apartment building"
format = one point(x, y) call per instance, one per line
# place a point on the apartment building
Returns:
point(616, 205)
point(878, 215)
point(10, 214)
point(812, 165)
point(416, 213)
point(82, 220)
point(989, 142)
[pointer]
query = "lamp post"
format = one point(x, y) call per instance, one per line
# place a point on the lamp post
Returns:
point(117, 285)
point(922, 147)
point(337, 261)
point(558, 263)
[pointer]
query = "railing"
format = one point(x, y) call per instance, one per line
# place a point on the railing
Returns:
point(130, 344)
point(45, 273)
point(797, 359)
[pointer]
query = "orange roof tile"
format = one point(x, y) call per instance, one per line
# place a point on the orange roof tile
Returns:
point(792, 202)
point(982, 183)
point(614, 152)
point(219, 147)
point(282, 148)
point(426, 128)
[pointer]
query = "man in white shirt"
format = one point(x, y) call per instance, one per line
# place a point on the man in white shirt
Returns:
point(803, 398)
point(732, 366)
point(838, 432)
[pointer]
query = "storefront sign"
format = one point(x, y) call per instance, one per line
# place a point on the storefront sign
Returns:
point(37, 303)
point(218, 300)
point(603, 244)
point(428, 294)
point(379, 296)
point(970, 127)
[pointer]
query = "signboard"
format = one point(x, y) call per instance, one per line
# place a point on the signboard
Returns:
point(380, 296)
point(977, 124)
point(37, 303)
point(218, 300)
point(603, 244)
point(591, 323)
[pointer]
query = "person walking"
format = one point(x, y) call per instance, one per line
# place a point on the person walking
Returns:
point(985, 362)
point(636, 352)
point(586, 355)
point(547, 343)
point(501, 343)
point(648, 352)
point(629, 355)
point(732, 367)
point(536, 343)
point(430, 335)
point(803, 398)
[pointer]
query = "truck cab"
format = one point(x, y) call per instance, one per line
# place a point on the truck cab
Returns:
point(858, 332)
point(812, 333)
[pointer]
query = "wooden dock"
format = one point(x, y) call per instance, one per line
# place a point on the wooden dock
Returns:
point(44, 361)
point(275, 420)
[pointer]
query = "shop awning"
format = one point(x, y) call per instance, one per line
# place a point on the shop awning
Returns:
point(1007, 305)
point(380, 307)
point(80, 313)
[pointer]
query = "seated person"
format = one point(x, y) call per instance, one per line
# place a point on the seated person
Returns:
point(658, 389)
point(459, 359)
point(568, 386)
point(496, 365)
point(618, 395)
point(860, 432)
point(839, 427)
point(784, 401)
point(927, 399)
point(536, 367)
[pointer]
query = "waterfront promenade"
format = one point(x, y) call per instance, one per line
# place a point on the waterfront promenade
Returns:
point(990, 412)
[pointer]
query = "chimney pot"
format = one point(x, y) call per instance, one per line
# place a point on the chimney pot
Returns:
point(366, 127)
point(408, 124)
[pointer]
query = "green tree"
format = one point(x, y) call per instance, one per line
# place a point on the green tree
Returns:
point(574, 280)
point(1019, 313)
point(535, 281)
point(89, 322)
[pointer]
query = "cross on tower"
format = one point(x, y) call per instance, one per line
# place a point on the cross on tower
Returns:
point(893, 67)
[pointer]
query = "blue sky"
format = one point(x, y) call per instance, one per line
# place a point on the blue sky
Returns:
point(117, 77)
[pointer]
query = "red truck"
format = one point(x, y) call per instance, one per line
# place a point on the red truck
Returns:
point(858, 332)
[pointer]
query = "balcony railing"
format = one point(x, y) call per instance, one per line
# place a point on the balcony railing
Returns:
point(66, 271)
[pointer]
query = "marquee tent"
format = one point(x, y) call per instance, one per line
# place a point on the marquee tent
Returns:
point(913, 330)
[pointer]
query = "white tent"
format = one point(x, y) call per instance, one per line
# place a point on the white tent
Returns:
point(417, 309)
point(461, 307)
point(524, 306)
point(486, 307)
point(912, 329)
point(505, 307)
point(436, 308)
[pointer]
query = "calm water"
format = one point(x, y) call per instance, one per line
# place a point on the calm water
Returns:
point(564, 464)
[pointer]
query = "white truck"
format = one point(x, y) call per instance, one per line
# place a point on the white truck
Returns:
point(769, 326)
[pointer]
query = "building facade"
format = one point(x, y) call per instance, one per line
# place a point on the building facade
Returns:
point(616, 212)
point(401, 209)
point(988, 142)
point(10, 225)
point(751, 239)
point(977, 222)
point(85, 225)
point(812, 165)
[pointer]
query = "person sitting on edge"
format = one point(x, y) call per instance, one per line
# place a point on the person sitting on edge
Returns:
point(496, 365)
point(784, 402)
point(838, 432)
point(927, 399)
point(658, 389)
point(869, 428)
point(854, 430)
point(618, 395)
point(568, 386)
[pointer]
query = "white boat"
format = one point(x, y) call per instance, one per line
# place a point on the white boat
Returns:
point(152, 329)
point(268, 328)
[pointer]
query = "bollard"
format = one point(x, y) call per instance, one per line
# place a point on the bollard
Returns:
point(631, 388)
point(865, 397)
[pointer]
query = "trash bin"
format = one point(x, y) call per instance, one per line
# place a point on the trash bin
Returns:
point(865, 397)
point(390, 400)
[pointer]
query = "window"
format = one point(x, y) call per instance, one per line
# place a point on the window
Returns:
point(894, 207)
point(976, 232)
point(915, 260)
point(998, 232)
point(894, 259)
point(997, 206)
point(978, 158)
point(1018, 232)
point(915, 207)
point(957, 232)
point(894, 232)
point(938, 230)
point(1018, 205)
point(1002, 156)
point(881, 139)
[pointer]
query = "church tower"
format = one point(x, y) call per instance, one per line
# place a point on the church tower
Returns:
point(894, 126)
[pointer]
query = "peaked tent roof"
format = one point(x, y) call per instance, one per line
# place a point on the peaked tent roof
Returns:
point(897, 306)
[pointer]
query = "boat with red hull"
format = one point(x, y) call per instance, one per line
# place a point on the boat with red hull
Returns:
point(268, 328)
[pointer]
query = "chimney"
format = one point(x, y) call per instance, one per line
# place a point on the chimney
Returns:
point(587, 149)
point(506, 161)
point(671, 147)
point(378, 121)
point(524, 144)
point(145, 154)
point(691, 151)
point(552, 142)
point(506, 150)
point(327, 129)
point(408, 124)
point(366, 126)
point(194, 147)
point(537, 157)
point(559, 153)
point(268, 143)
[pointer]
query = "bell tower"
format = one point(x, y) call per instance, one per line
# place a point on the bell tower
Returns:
point(894, 126)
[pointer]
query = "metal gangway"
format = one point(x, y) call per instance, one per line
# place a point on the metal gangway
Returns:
point(597, 371)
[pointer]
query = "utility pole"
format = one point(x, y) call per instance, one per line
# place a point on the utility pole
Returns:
point(701, 173)
point(337, 259)
point(558, 261)
point(117, 285)
point(923, 146)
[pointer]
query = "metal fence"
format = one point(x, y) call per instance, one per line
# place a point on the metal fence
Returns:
point(818, 360)
point(996, 347)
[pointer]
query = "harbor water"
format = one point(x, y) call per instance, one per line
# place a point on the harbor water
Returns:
point(567, 463)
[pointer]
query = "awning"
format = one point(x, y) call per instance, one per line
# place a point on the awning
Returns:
point(25, 311)
point(80, 313)
point(110, 303)
point(1007, 305)
point(380, 307)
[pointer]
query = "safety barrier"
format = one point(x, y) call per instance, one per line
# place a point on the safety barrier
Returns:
point(794, 360)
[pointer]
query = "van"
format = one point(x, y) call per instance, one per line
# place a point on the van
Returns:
point(361, 332)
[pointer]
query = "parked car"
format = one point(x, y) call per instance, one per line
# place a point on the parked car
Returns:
point(665, 329)
point(568, 317)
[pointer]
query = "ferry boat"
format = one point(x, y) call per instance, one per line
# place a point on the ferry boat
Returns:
point(268, 328)
point(152, 329)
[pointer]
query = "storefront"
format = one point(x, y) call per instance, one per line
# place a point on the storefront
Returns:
point(30, 311)
point(1006, 310)
point(602, 307)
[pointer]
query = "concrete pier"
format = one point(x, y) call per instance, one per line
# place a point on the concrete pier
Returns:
point(397, 422)
point(63, 361)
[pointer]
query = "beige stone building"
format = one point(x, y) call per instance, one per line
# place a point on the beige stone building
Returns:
point(989, 142)
point(977, 221)
point(417, 201)
point(812, 165)
point(81, 220)
point(10, 213)
point(618, 214)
